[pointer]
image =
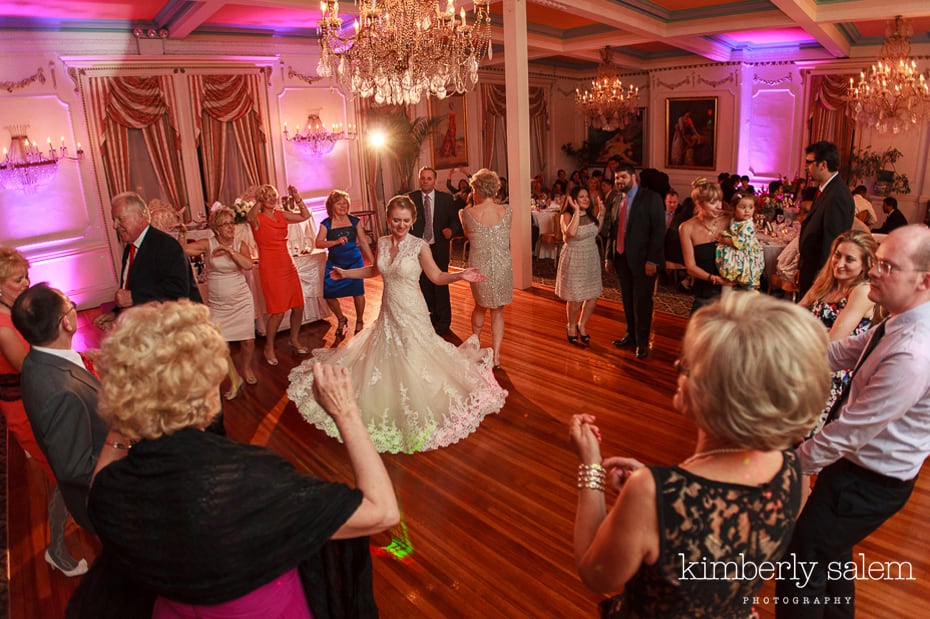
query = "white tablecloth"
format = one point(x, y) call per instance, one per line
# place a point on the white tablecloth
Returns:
point(772, 247)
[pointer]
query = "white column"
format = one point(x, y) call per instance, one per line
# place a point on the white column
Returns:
point(516, 75)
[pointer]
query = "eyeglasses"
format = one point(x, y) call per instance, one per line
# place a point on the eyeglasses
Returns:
point(681, 368)
point(885, 268)
point(72, 307)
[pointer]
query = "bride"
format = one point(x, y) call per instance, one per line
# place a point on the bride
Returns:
point(416, 391)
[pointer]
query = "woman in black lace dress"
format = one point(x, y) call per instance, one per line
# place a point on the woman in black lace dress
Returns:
point(732, 505)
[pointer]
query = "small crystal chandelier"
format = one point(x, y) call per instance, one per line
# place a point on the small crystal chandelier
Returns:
point(608, 105)
point(24, 166)
point(403, 49)
point(315, 140)
point(893, 94)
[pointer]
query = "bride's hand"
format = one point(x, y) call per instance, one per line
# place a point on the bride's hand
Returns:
point(471, 274)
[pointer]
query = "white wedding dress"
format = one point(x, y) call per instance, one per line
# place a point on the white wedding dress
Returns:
point(415, 390)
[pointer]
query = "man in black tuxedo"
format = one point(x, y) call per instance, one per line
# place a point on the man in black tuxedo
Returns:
point(830, 215)
point(154, 267)
point(893, 217)
point(636, 254)
point(437, 222)
point(60, 394)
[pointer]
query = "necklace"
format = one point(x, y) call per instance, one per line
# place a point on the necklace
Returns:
point(712, 452)
point(712, 229)
point(7, 305)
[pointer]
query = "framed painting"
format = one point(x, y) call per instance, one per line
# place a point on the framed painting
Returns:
point(449, 129)
point(629, 141)
point(691, 133)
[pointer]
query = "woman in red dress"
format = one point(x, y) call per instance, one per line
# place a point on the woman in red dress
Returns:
point(280, 282)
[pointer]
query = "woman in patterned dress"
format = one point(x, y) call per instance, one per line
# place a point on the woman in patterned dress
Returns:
point(578, 279)
point(487, 226)
point(839, 298)
point(343, 235)
point(280, 282)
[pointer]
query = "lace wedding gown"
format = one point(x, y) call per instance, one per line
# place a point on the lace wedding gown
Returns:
point(415, 390)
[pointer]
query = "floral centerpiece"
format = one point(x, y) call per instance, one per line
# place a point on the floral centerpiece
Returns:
point(768, 204)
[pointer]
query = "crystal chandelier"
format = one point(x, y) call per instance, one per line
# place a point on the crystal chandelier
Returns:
point(608, 105)
point(403, 49)
point(315, 140)
point(893, 94)
point(24, 166)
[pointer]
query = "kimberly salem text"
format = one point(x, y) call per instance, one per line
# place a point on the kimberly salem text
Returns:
point(792, 569)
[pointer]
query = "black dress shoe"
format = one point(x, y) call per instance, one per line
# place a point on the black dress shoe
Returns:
point(642, 352)
point(625, 341)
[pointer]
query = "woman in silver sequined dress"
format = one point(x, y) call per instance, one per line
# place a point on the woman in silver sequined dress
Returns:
point(487, 226)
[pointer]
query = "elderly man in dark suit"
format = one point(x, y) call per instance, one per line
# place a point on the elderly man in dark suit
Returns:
point(635, 250)
point(154, 267)
point(437, 222)
point(830, 215)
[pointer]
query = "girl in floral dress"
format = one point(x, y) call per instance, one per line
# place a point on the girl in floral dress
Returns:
point(739, 253)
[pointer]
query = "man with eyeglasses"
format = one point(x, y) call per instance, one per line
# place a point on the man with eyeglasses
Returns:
point(60, 397)
point(830, 215)
point(868, 458)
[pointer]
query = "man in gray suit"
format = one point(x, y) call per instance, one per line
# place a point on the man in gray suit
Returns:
point(60, 394)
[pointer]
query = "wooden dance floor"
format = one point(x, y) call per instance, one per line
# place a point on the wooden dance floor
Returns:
point(487, 523)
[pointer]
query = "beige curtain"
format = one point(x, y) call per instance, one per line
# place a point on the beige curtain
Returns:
point(829, 117)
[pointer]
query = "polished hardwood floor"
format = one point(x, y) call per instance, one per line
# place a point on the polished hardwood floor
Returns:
point(487, 523)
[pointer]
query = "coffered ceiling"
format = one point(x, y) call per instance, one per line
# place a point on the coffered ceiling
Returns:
point(561, 33)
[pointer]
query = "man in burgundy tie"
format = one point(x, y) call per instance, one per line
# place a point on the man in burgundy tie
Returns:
point(635, 250)
point(154, 267)
point(830, 215)
point(60, 398)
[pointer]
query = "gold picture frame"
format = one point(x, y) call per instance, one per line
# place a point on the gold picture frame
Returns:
point(448, 137)
point(691, 133)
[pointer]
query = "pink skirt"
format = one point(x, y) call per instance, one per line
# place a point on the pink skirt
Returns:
point(282, 598)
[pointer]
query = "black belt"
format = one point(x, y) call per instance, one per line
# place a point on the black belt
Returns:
point(872, 477)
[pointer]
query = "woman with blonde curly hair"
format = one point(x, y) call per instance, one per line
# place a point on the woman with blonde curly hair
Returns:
point(232, 522)
point(735, 500)
point(280, 282)
point(839, 298)
point(699, 238)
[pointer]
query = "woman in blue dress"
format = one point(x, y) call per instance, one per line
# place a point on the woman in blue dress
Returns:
point(342, 234)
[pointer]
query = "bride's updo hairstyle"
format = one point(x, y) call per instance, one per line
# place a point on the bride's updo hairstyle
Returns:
point(402, 202)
